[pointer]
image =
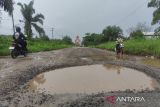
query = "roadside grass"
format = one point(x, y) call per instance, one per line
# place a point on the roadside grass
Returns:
point(41, 45)
point(34, 45)
point(136, 47)
point(5, 42)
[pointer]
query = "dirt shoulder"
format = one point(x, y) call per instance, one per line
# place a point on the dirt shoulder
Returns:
point(15, 73)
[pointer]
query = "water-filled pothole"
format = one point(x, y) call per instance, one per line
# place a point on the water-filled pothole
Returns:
point(92, 79)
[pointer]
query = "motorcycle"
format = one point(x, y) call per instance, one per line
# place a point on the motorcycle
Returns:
point(17, 50)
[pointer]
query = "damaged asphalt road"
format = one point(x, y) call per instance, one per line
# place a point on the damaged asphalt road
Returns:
point(14, 74)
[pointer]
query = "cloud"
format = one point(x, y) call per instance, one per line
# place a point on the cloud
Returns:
point(76, 17)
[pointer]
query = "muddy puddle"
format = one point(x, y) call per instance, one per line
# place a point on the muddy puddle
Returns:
point(91, 79)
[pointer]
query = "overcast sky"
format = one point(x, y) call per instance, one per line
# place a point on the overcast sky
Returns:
point(77, 17)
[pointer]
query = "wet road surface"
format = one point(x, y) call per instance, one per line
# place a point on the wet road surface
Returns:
point(14, 74)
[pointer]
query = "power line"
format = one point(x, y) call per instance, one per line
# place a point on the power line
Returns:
point(131, 13)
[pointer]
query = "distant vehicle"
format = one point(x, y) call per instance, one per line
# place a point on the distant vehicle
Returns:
point(17, 50)
point(78, 41)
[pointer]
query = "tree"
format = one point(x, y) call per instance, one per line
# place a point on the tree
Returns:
point(92, 39)
point(112, 32)
point(67, 39)
point(156, 13)
point(7, 5)
point(31, 21)
point(137, 34)
point(142, 26)
point(88, 40)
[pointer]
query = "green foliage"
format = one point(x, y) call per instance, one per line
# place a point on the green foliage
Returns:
point(108, 45)
point(31, 20)
point(67, 40)
point(37, 45)
point(5, 42)
point(137, 46)
point(137, 34)
point(156, 13)
point(7, 5)
point(111, 33)
point(92, 39)
point(34, 45)
point(44, 37)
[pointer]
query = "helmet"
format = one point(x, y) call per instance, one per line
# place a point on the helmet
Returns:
point(16, 35)
point(18, 29)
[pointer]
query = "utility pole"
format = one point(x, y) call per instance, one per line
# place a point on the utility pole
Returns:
point(13, 18)
point(13, 23)
point(52, 30)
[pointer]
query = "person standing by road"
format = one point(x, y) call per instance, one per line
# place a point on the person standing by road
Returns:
point(119, 47)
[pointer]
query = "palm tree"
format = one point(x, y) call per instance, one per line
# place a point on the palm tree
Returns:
point(31, 21)
point(156, 14)
point(7, 5)
point(155, 4)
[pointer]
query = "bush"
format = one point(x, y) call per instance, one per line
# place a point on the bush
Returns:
point(138, 34)
point(67, 40)
point(93, 39)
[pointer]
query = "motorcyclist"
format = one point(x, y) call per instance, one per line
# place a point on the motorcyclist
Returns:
point(119, 47)
point(20, 39)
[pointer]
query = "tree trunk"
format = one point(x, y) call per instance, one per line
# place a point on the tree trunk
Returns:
point(28, 29)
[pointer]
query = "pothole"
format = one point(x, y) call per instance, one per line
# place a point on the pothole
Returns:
point(92, 79)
